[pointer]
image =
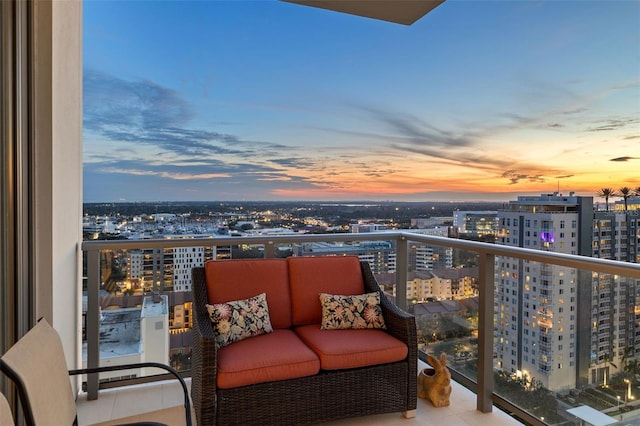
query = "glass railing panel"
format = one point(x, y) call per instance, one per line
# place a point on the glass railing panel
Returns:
point(145, 294)
point(139, 287)
point(145, 306)
point(611, 377)
point(442, 288)
point(535, 333)
point(566, 338)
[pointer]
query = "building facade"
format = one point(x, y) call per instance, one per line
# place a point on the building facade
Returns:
point(184, 259)
point(536, 319)
point(567, 328)
point(615, 313)
point(426, 257)
point(475, 223)
point(381, 255)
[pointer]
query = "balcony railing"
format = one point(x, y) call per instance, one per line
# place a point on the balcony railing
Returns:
point(482, 383)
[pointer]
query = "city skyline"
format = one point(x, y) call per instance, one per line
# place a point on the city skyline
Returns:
point(267, 100)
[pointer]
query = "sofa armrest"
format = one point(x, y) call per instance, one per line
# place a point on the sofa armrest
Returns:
point(204, 361)
point(400, 324)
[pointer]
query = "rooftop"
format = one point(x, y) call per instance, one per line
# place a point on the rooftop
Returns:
point(119, 333)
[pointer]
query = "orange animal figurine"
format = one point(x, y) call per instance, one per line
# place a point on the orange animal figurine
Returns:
point(435, 383)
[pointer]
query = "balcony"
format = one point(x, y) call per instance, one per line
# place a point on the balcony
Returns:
point(472, 364)
point(129, 401)
point(42, 203)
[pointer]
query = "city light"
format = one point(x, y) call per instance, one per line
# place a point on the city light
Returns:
point(618, 397)
point(628, 396)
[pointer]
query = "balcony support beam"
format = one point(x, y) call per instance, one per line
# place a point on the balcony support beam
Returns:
point(93, 321)
point(269, 250)
point(402, 263)
point(485, 332)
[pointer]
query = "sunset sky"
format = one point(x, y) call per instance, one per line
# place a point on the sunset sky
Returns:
point(267, 100)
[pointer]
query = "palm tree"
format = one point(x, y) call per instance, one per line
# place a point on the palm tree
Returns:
point(606, 193)
point(637, 191)
point(633, 367)
point(627, 353)
point(625, 192)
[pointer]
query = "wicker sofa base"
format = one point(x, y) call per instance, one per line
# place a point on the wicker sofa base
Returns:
point(330, 395)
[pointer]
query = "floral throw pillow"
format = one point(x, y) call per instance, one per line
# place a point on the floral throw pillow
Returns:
point(239, 319)
point(343, 312)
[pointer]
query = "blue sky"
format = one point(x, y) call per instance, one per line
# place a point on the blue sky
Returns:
point(267, 100)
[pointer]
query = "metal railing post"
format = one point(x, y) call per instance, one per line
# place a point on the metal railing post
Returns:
point(93, 321)
point(269, 250)
point(402, 266)
point(485, 332)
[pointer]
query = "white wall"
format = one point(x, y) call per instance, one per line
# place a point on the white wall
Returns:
point(58, 168)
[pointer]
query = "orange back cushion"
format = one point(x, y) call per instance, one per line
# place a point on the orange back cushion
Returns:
point(238, 279)
point(310, 276)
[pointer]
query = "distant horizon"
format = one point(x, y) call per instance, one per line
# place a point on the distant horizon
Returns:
point(329, 202)
point(597, 200)
point(269, 100)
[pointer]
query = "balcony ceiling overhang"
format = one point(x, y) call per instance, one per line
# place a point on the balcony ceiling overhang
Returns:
point(398, 11)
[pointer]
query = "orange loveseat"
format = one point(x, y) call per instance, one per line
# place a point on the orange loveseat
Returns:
point(290, 370)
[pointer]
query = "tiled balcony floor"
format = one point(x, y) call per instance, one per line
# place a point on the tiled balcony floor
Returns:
point(115, 404)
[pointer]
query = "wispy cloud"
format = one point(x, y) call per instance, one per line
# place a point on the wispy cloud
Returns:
point(614, 124)
point(575, 111)
point(175, 176)
point(145, 114)
point(626, 158)
point(294, 162)
point(464, 148)
point(418, 131)
point(114, 103)
point(516, 177)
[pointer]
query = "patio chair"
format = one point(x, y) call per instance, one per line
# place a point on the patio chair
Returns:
point(6, 418)
point(37, 366)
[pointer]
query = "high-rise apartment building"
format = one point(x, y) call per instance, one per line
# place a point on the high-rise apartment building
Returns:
point(134, 266)
point(615, 305)
point(381, 255)
point(475, 223)
point(566, 328)
point(184, 259)
point(168, 269)
point(536, 320)
point(427, 257)
point(367, 227)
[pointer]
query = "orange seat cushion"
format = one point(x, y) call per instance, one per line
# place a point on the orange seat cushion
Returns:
point(279, 355)
point(310, 276)
point(239, 279)
point(340, 349)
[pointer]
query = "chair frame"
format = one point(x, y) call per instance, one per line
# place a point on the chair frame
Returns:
point(26, 404)
point(6, 416)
